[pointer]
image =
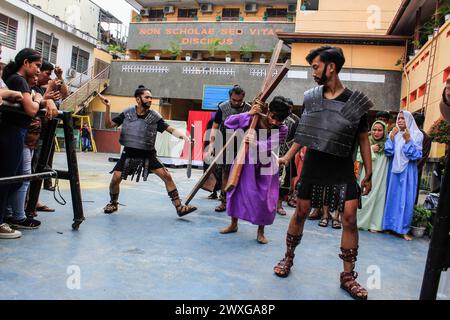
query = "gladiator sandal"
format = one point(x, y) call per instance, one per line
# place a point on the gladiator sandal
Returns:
point(182, 209)
point(113, 205)
point(283, 267)
point(223, 203)
point(348, 279)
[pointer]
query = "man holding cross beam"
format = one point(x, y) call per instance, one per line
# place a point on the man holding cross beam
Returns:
point(333, 123)
point(255, 198)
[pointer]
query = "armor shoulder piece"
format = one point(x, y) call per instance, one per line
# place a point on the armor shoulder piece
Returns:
point(153, 117)
point(223, 104)
point(356, 106)
point(247, 107)
point(313, 99)
point(130, 113)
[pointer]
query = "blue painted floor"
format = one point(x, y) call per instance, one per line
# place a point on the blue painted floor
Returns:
point(146, 252)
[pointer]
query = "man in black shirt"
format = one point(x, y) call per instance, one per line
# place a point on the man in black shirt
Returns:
point(55, 90)
point(140, 125)
point(333, 122)
point(235, 105)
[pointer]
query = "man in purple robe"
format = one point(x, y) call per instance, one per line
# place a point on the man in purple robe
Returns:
point(255, 198)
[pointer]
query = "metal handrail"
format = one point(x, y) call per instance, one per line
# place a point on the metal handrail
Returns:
point(101, 75)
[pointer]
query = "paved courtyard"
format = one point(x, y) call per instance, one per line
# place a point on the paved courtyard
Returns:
point(146, 252)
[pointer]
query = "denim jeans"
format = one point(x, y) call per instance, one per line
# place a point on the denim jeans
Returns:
point(11, 149)
point(16, 200)
point(86, 143)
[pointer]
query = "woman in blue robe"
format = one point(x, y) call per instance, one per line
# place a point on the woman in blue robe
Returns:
point(403, 148)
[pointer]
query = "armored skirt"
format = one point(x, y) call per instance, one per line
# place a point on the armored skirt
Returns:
point(135, 161)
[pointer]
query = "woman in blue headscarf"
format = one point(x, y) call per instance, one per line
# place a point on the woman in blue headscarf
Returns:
point(403, 148)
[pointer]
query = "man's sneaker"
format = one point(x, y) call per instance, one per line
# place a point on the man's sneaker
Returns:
point(27, 224)
point(7, 233)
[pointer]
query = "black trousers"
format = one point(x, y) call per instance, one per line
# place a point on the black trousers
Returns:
point(11, 151)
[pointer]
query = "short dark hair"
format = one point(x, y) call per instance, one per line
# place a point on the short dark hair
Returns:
point(383, 114)
point(279, 107)
point(289, 102)
point(236, 90)
point(419, 118)
point(47, 66)
point(328, 54)
point(140, 91)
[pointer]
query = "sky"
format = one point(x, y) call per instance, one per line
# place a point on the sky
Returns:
point(118, 8)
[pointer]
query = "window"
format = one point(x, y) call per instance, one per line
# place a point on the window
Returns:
point(155, 15)
point(276, 14)
point(187, 14)
point(404, 102)
point(310, 5)
point(80, 60)
point(422, 90)
point(413, 96)
point(446, 73)
point(43, 44)
point(230, 14)
point(8, 31)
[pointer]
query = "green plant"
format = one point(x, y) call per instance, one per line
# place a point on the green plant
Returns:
point(417, 45)
point(174, 48)
point(138, 18)
point(399, 62)
point(213, 46)
point(421, 217)
point(144, 49)
point(247, 48)
point(440, 132)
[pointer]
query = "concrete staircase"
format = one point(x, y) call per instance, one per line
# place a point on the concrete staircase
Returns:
point(81, 97)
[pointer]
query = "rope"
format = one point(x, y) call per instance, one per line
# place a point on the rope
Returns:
point(63, 202)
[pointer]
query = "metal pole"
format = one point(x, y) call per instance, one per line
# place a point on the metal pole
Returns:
point(47, 143)
point(439, 244)
point(74, 177)
point(28, 177)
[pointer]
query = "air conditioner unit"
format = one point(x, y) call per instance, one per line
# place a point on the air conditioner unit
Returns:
point(206, 7)
point(251, 7)
point(144, 13)
point(71, 73)
point(292, 8)
point(169, 9)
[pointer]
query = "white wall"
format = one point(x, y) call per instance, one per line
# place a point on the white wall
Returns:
point(83, 14)
point(21, 17)
point(65, 44)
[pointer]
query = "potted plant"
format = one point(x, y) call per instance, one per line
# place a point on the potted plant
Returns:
point(290, 18)
point(157, 56)
point(144, 50)
point(174, 49)
point(227, 48)
point(218, 18)
point(212, 47)
point(262, 58)
point(138, 18)
point(417, 46)
point(421, 219)
point(444, 12)
point(246, 52)
point(116, 51)
point(188, 57)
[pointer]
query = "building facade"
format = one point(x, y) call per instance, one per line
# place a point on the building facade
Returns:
point(25, 25)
